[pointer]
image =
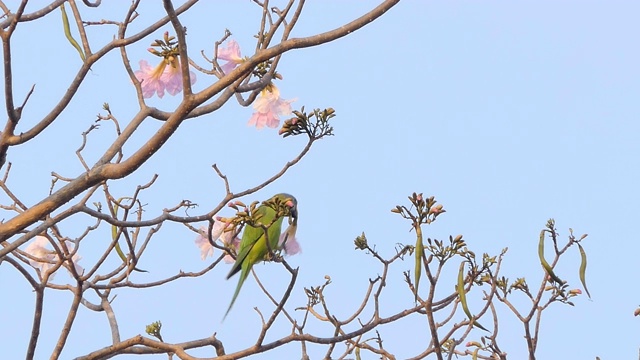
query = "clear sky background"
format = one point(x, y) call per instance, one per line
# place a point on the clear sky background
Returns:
point(509, 113)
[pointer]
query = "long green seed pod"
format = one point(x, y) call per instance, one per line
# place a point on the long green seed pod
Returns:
point(583, 269)
point(114, 235)
point(544, 262)
point(463, 297)
point(67, 32)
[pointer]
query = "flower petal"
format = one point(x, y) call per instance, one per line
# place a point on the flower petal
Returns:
point(231, 54)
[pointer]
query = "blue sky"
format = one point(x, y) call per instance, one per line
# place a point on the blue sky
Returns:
point(509, 114)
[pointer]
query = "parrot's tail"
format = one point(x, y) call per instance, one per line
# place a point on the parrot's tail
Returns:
point(243, 277)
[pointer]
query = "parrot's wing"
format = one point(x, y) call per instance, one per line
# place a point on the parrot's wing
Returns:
point(249, 239)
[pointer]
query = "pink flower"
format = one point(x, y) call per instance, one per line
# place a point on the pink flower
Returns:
point(217, 233)
point(47, 258)
point(202, 241)
point(150, 79)
point(166, 75)
point(268, 107)
point(291, 247)
point(231, 54)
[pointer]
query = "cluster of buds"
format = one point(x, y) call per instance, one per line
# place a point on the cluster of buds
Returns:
point(168, 47)
point(315, 124)
point(426, 209)
point(562, 293)
point(153, 329)
point(361, 242)
point(263, 68)
point(249, 214)
point(244, 214)
point(281, 206)
point(520, 284)
point(443, 252)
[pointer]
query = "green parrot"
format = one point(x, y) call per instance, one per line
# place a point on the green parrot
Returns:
point(253, 246)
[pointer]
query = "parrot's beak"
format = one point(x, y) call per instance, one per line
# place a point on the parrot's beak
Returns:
point(293, 211)
point(293, 221)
